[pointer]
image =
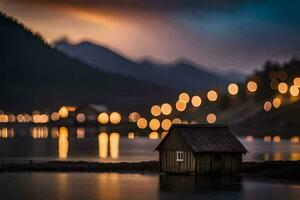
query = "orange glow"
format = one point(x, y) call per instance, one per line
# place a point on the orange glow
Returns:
point(176, 121)
point(155, 110)
point(276, 102)
point(252, 86)
point(63, 112)
point(54, 132)
point(211, 118)
point(196, 101)
point(7, 132)
point(166, 124)
point(11, 118)
point(294, 90)
point(131, 135)
point(80, 117)
point(267, 106)
point(103, 145)
point(297, 81)
point(71, 108)
point(134, 116)
point(180, 106)
point(4, 118)
point(114, 140)
point(184, 97)
point(249, 138)
point(282, 87)
point(212, 95)
point(277, 139)
point(267, 139)
point(80, 132)
point(295, 140)
point(142, 123)
point(233, 88)
point(115, 118)
point(103, 118)
point(54, 116)
point(20, 118)
point(154, 124)
point(63, 144)
point(153, 135)
point(166, 109)
point(39, 132)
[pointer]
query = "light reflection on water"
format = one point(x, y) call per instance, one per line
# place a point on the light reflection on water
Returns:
point(91, 144)
point(115, 186)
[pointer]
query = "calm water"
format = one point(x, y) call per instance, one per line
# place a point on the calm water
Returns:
point(91, 144)
point(114, 186)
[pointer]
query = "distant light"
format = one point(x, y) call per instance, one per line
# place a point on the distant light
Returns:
point(131, 135)
point(54, 116)
point(63, 112)
point(276, 102)
point(154, 124)
point(11, 118)
point(212, 95)
point(4, 118)
point(267, 106)
point(233, 89)
point(80, 133)
point(114, 140)
point(153, 135)
point(277, 139)
point(134, 116)
point(294, 90)
point(211, 118)
point(103, 118)
point(80, 117)
point(155, 110)
point(166, 109)
point(103, 145)
point(249, 138)
point(176, 121)
point(184, 97)
point(20, 118)
point(196, 101)
point(295, 140)
point(297, 81)
point(267, 139)
point(282, 87)
point(180, 106)
point(27, 118)
point(115, 118)
point(252, 86)
point(142, 123)
point(166, 124)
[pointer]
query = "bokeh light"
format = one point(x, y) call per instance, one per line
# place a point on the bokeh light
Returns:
point(63, 112)
point(176, 121)
point(153, 135)
point(276, 102)
point(211, 118)
point(142, 123)
point(184, 97)
point(297, 81)
point(252, 86)
point(180, 106)
point(294, 90)
point(196, 101)
point(233, 89)
point(115, 118)
point(54, 116)
point(103, 118)
point(166, 124)
point(212, 95)
point(267, 106)
point(166, 109)
point(131, 135)
point(134, 116)
point(282, 87)
point(80, 117)
point(155, 110)
point(154, 124)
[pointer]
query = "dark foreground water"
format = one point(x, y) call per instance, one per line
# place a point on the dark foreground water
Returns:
point(43, 143)
point(114, 186)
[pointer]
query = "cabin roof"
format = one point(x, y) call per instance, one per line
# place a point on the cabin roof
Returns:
point(207, 138)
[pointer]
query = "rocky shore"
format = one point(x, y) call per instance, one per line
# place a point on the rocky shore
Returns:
point(288, 170)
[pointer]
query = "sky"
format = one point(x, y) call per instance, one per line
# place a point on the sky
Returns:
point(222, 35)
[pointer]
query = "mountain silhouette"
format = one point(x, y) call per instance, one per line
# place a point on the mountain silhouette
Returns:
point(34, 75)
point(180, 75)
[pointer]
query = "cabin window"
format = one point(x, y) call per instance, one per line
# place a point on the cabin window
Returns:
point(179, 156)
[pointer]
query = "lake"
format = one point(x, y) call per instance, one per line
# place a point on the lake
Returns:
point(115, 186)
point(42, 143)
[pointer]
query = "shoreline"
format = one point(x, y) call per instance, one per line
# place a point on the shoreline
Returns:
point(286, 170)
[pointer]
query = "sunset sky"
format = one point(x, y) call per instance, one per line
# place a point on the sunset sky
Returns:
point(218, 34)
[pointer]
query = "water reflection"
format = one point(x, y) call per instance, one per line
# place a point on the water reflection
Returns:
point(114, 140)
point(103, 145)
point(80, 133)
point(39, 132)
point(7, 132)
point(63, 144)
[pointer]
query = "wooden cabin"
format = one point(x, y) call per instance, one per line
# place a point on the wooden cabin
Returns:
point(200, 149)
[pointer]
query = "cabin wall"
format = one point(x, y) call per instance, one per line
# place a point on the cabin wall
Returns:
point(167, 155)
point(218, 163)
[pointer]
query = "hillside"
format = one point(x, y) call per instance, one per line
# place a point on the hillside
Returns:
point(35, 75)
point(170, 75)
